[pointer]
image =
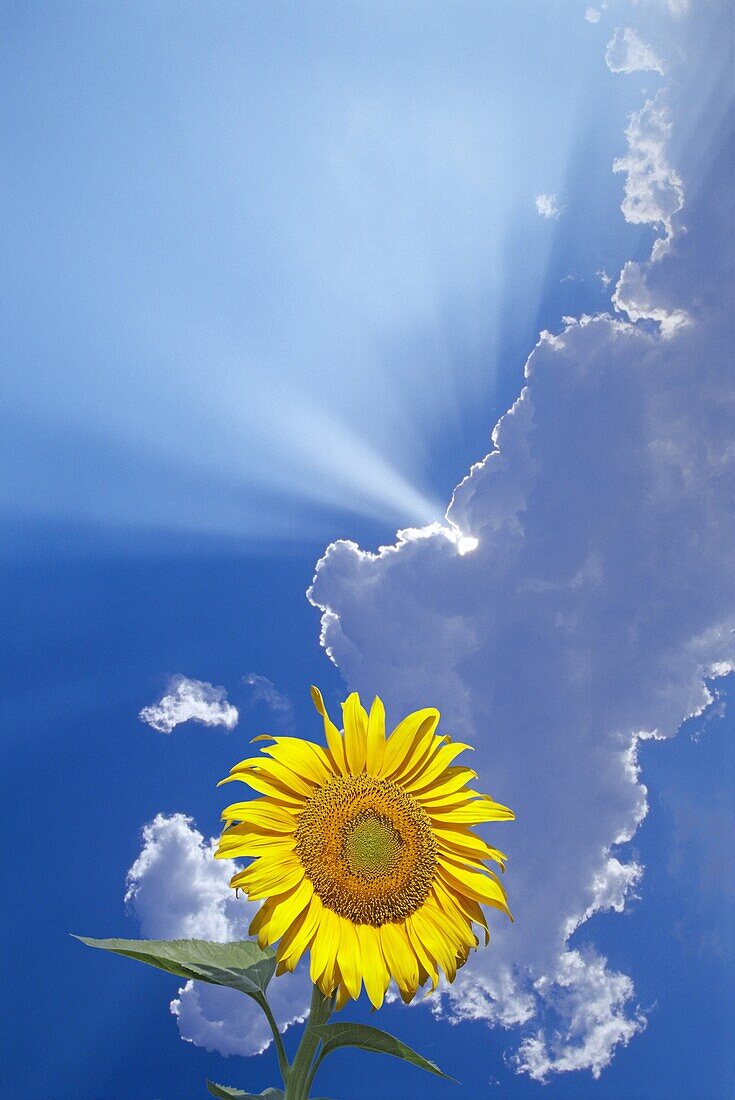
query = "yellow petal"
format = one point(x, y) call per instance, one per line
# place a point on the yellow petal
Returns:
point(482, 809)
point(296, 939)
point(439, 800)
point(356, 724)
point(324, 951)
point(343, 997)
point(263, 814)
point(278, 770)
point(451, 780)
point(375, 737)
point(418, 755)
point(400, 957)
point(425, 957)
point(471, 908)
point(375, 972)
point(446, 902)
point(349, 957)
point(286, 912)
point(331, 733)
point(268, 787)
point(234, 846)
point(480, 887)
point(436, 939)
point(465, 843)
point(432, 773)
point(259, 923)
point(274, 878)
point(302, 757)
point(418, 723)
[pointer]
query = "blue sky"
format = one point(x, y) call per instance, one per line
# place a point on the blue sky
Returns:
point(272, 276)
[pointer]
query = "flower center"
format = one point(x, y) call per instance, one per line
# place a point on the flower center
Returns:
point(368, 849)
point(372, 846)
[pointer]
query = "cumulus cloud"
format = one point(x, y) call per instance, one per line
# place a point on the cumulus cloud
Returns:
point(592, 15)
point(547, 206)
point(598, 598)
point(592, 1001)
point(628, 53)
point(190, 701)
point(177, 890)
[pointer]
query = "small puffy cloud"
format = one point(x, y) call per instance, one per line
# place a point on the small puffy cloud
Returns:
point(190, 701)
point(177, 890)
point(264, 691)
point(547, 206)
point(592, 15)
point(627, 53)
point(603, 276)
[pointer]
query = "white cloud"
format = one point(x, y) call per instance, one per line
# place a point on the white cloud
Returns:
point(599, 596)
point(654, 194)
point(190, 701)
point(264, 691)
point(603, 276)
point(547, 206)
point(228, 1022)
point(592, 1001)
point(592, 15)
point(628, 53)
point(179, 891)
point(653, 188)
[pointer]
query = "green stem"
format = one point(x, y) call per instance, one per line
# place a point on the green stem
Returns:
point(299, 1078)
point(283, 1063)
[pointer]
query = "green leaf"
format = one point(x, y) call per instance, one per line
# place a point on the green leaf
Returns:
point(334, 1036)
point(226, 1093)
point(241, 965)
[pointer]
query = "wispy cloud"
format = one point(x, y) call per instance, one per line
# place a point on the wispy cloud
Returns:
point(548, 206)
point(264, 691)
point(190, 701)
point(628, 53)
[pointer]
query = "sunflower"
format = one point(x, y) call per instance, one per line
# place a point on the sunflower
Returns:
point(363, 852)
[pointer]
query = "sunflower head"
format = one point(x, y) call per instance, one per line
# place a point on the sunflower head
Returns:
point(363, 852)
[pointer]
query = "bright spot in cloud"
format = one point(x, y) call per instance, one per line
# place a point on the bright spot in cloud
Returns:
point(548, 206)
point(467, 543)
point(190, 701)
